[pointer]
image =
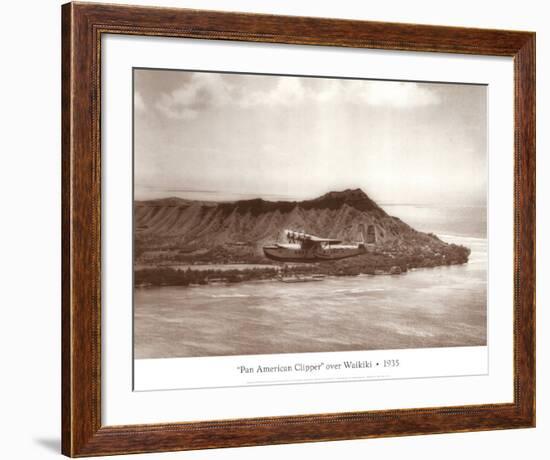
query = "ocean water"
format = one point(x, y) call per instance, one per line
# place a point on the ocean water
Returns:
point(432, 307)
point(468, 221)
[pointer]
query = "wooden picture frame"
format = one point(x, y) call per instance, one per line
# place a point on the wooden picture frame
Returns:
point(83, 25)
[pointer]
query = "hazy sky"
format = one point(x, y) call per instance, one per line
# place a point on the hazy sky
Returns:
point(228, 136)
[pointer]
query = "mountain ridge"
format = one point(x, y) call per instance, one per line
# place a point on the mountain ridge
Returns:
point(257, 219)
point(355, 197)
point(176, 229)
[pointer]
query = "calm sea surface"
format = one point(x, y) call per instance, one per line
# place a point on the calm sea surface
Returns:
point(443, 220)
point(433, 307)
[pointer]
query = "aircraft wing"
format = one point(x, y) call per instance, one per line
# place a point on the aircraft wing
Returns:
point(301, 236)
point(316, 239)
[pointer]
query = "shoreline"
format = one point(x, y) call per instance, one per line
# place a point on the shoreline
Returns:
point(382, 263)
point(269, 280)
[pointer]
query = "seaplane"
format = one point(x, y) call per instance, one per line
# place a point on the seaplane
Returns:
point(303, 247)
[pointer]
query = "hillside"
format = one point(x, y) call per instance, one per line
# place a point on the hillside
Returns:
point(175, 230)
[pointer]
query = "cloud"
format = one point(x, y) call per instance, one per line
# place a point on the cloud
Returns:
point(376, 93)
point(205, 91)
point(174, 111)
point(291, 91)
point(139, 104)
point(288, 91)
point(398, 94)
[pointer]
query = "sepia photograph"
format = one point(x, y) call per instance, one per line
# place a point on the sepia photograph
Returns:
point(298, 214)
point(287, 227)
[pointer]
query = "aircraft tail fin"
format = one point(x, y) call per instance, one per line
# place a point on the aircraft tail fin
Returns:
point(368, 237)
point(362, 233)
point(371, 234)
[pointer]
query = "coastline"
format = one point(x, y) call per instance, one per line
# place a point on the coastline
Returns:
point(446, 305)
point(379, 263)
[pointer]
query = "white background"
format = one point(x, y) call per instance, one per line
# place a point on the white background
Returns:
point(30, 227)
point(122, 407)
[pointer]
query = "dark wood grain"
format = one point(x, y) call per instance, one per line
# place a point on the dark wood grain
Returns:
point(82, 27)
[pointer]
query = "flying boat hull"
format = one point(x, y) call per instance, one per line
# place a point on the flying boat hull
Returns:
point(282, 253)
